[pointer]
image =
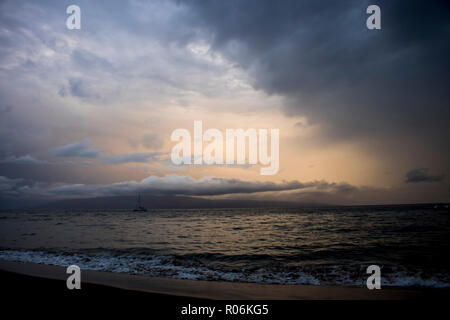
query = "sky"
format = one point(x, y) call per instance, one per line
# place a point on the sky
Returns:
point(363, 114)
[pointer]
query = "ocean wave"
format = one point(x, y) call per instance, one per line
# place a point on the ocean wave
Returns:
point(149, 263)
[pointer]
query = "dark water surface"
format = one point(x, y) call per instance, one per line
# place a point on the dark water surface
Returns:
point(325, 246)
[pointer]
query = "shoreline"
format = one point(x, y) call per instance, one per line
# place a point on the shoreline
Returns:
point(213, 290)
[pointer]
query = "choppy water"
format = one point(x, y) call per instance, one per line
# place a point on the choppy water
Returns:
point(331, 246)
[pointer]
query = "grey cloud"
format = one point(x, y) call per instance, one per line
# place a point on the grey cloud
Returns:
point(300, 124)
point(166, 185)
point(173, 184)
point(80, 149)
point(5, 108)
point(133, 157)
point(90, 61)
point(422, 175)
point(27, 159)
point(152, 141)
point(7, 184)
point(177, 185)
point(17, 187)
point(318, 192)
point(79, 88)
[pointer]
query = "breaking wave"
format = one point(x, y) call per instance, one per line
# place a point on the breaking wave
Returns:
point(142, 262)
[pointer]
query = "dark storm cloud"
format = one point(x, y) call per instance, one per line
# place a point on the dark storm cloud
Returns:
point(80, 149)
point(422, 175)
point(318, 55)
point(355, 82)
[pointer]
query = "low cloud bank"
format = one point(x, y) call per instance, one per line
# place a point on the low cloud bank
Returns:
point(171, 184)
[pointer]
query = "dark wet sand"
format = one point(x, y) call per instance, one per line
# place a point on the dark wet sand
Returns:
point(35, 290)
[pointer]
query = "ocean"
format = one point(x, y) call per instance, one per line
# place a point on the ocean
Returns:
point(316, 246)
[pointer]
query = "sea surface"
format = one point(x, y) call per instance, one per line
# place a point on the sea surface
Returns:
point(318, 246)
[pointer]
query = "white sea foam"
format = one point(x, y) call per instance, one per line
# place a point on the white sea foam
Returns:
point(168, 266)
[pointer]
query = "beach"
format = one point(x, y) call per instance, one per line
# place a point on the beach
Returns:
point(202, 290)
point(40, 290)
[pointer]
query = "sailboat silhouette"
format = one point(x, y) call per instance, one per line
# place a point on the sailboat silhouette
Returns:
point(139, 206)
